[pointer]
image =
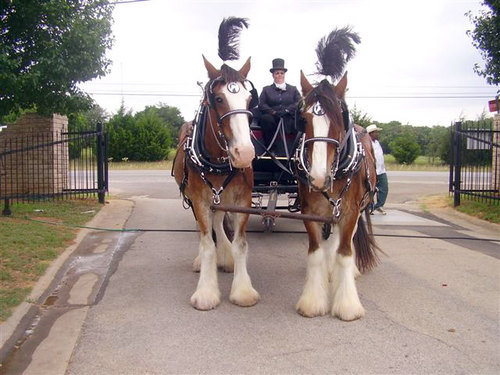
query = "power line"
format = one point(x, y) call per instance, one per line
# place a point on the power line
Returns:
point(445, 96)
point(127, 2)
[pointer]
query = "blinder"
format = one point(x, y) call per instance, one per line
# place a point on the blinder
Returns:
point(254, 101)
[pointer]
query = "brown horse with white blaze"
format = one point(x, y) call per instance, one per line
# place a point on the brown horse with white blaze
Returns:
point(213, 166)
point(336, 170)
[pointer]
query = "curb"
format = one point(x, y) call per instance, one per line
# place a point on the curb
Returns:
point(113, 215)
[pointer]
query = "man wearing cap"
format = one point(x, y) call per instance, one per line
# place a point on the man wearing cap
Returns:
point(277, 101)
point(382, 182)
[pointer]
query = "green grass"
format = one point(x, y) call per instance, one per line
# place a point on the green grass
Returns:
point(28, 247)
point(148, 165)
point(422, 163)
point(488, 212)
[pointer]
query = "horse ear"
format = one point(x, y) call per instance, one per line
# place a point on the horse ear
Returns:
point(213, 73)
point(245, 68)
point(304, 83)
point(340, 88)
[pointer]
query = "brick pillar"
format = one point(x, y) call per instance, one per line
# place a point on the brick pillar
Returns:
point(41, 168)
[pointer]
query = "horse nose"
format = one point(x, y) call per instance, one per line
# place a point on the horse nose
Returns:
point(321, 183)
point(243, 156)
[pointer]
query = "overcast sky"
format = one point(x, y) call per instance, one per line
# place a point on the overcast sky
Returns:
point(414, 64)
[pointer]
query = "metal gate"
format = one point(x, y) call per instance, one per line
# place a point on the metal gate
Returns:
point(475, 161)
point(54, 166)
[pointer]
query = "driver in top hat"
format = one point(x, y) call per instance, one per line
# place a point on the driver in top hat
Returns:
point(277, 101)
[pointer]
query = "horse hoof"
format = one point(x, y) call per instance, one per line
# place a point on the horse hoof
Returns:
point(245, 298)
point(311, 310)
point(205, 300)
point(348, 313)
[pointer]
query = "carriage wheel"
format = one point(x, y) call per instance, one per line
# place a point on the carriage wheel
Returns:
point(327, 229)
point(268, 223)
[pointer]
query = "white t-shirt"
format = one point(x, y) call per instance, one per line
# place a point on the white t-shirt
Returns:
point(379, 157)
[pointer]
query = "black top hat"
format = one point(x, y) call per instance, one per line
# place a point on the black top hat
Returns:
point(278, 64)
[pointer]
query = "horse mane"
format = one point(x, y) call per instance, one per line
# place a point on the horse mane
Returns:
point(229, 33)
point(229, 74)
point(325, 94)
point(335, 50)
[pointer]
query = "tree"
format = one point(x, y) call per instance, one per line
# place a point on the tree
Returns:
point(360, 118)
point(145, 136)
point(405, 149)
point(171, 116)
point(83, 122)
point(121, 135)
point(152, 139)
point(486, 38)
point(390, 131)
point(439, 144)
point(47, 47)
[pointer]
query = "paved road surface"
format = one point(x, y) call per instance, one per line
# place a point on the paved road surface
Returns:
point(122, 301)
point(403, 186)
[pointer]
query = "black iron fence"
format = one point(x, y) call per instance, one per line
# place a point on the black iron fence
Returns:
point(475, 162)
point(53, 166)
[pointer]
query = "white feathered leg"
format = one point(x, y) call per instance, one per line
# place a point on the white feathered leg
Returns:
point(207, 294)
point(346, 303)
point(314, 299)
point(242, 291)
point(331, 246)
point(224, 253)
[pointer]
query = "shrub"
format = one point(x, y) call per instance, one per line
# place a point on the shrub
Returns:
point(405, 149)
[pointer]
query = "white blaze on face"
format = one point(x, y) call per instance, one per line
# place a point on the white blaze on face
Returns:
point(319, 169)
point(240, 146)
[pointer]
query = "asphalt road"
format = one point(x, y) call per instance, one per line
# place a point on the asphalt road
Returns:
point(403, 186)
point(432, 305)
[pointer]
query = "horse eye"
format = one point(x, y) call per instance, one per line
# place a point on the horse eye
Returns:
point(218, 100)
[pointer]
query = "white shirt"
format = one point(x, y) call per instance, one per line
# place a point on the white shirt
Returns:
point(281, 86)
point(379, 157)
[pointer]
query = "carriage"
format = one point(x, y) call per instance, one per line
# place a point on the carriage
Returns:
point(273, 174)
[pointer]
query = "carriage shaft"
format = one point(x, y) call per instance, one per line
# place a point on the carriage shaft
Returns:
point(273, 214)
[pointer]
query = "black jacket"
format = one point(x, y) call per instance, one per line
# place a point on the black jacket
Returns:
point(275, 101)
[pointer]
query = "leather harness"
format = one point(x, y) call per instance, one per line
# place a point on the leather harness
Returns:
point(348, 161)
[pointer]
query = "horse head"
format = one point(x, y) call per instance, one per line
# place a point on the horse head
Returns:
point(324, 110)
point(229, 98)
point(324, 129)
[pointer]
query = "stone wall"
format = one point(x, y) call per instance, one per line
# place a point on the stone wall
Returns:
point(40, 168)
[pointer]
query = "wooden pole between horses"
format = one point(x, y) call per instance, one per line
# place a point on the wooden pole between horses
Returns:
point(274, 214)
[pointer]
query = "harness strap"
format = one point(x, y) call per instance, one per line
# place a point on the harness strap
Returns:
point(279, 128)
point(217, 192)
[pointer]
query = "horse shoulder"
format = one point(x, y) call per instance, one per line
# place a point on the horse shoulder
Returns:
point(179, 168)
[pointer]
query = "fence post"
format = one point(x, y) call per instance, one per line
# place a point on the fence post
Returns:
point(457, 162)
point(451, 158)
point(6, 208)
point(101, 186)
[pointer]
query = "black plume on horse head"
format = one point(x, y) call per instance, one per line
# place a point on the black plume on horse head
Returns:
point(335, 50)
point(229, 32)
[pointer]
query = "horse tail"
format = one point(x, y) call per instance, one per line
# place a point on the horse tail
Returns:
point(365, 245)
